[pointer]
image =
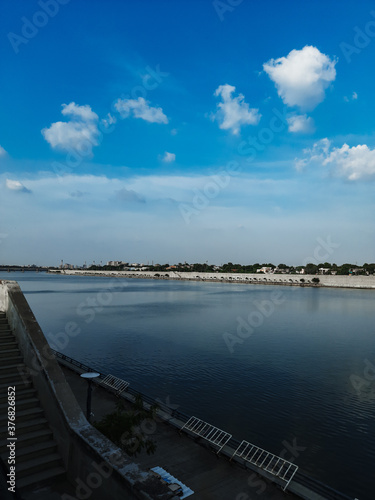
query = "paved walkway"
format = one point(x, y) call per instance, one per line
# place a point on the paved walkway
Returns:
point(209, 476)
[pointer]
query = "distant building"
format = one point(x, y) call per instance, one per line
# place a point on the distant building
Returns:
point(265, 270)
point(324, 270)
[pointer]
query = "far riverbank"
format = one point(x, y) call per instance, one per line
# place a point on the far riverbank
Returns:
point(360, 282)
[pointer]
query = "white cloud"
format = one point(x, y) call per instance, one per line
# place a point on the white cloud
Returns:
point(233, 111)
point(2, 152)
point(16, 186)
point(174, 131)
point(300, 124)
point(109, 120)
point(352, 163)
point(168, 157)
point(353, 97)
point(80, 133)
point(140, 109)
point(302, 77)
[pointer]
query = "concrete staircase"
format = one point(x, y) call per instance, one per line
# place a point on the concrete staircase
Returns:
point(37, 459)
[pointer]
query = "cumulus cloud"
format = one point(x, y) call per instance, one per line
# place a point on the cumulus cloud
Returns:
point(233, 111)
point(140, 108)
point(302, 77)
point(352, 163)
point(168, 157)
point(302, 124)
point(80, 133)
point(2, 152)
point(16, 186)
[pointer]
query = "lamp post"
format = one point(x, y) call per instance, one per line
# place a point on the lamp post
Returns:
point(89, 376)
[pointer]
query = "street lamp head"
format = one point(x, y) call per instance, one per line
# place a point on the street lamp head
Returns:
point(90, 375)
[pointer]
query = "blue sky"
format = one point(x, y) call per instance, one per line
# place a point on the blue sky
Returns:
point(193, 130)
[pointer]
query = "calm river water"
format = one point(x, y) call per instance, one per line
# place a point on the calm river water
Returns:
point(303, 371)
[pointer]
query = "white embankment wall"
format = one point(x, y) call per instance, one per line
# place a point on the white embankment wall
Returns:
point(258, 278)
point(85, 451)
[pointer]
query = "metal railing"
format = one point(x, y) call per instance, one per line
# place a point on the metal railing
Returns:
point(277, 466)
point(115, 383)
point(313, 484)
point(207, 431)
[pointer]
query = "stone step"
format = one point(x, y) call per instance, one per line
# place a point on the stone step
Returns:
point(5, 353)
point(2, 314)
point(4, 326)
point(41, 478)
point(22, 404)
point(35, 450)
point(34, 438)
point(9, 344)
point(12, 377)
point(12, 360)
point(3, 320)
point(16, 367)
point(21, 394)
point(23, 415)
point(25, 427)
point(18, 385)
point(6, 336)
point(37, 464)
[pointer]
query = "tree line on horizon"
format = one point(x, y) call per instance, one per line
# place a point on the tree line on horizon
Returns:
point(310, 268)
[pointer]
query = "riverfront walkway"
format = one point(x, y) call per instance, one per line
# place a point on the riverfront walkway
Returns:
point(209, 476)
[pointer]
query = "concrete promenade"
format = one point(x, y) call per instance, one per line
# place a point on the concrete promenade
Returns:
point(356, 282)
point(197, 466)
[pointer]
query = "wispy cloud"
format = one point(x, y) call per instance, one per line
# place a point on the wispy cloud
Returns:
point(16, 186)
point(353, 97)
point(80, 133)
point(140, 108)
point(352, 163)
point(2, 152)
point(129, 214)
point(302, 77)
point(233, 112)
point(129, 196)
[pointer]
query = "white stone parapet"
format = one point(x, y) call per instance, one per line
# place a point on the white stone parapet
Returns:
point(254, 278)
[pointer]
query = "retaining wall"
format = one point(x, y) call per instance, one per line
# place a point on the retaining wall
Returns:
point(84, 450)
point(256, 278)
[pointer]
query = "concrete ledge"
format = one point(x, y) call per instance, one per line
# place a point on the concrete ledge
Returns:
point(365, 282)
point(93, 463)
